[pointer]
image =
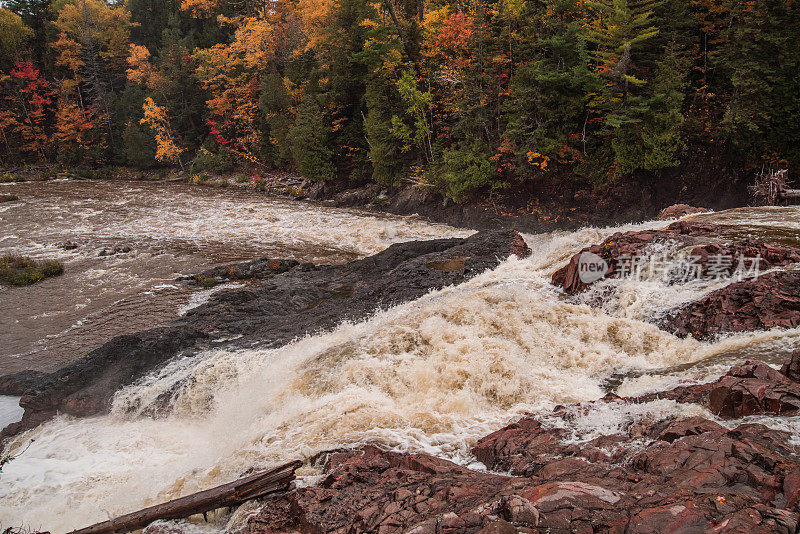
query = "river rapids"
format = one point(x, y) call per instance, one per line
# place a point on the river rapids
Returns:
point(432, 375)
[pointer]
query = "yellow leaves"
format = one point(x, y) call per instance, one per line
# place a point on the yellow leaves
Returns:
point(538, 160)
point(253, 42)
point(95, 22)
point(13, 34)
point(315, 16)
point(155, 116)
point(199, 8)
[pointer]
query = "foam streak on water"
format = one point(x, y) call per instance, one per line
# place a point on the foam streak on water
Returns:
point(431, 375)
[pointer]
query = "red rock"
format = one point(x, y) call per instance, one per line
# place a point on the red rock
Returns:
point(772, 300)
point(694, 426)
point(519, 248)
point(674, 517)
point(754, 388)
point(791, 368)
point(660, 476)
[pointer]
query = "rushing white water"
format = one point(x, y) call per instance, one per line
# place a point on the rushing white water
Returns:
point(431, 375)
point(10, 411)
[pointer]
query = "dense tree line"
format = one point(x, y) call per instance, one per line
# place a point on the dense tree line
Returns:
point(462, 96)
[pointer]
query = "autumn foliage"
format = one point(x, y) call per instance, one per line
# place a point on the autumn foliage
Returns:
point(462, 97)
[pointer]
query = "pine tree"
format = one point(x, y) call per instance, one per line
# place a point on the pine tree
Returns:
point(309, 144)
point(274, 104)
point(549, 113)
point(384, 148)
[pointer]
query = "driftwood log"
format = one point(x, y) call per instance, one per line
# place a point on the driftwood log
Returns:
point(230, 494)
point(771, 188)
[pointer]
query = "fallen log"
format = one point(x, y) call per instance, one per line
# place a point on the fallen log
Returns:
point(230, 494)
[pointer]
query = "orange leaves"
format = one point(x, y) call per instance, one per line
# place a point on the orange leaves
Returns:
point(456, 35)
point(155, 116)
point(140, 69)
point(73, 125)
point(69, 53)
point(315, 15)
point(538, 160)
point(200, 8)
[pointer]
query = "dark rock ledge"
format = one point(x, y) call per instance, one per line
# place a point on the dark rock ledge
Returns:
point(285, 300)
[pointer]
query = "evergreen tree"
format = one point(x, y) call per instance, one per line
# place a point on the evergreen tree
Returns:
point(384, 147)
point(309, 144)
point(275, 103)
point(551, 89)
point(763, 60)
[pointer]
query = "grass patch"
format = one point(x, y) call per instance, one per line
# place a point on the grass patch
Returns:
point(206, 282)
point(8, 198)
point(7, 177)
point(21, 271)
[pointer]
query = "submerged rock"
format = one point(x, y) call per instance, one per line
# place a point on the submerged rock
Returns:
point(285, 301)
point(676, 211)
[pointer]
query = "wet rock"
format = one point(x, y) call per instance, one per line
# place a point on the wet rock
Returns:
point(85, 387)
point(261, 269)
point(707, 477)
point(694, 426)
point(285, 301)
point(700, 236)
point(676, 211)
point(754, 388)
point(118, 249)
point(519, 248)
point(791, 369)
point(19, 383)
point(69, 245)
point(769, 301)
point(654, 476)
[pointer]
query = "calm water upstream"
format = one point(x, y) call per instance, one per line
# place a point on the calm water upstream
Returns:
point(430, 375)
point(171, 229)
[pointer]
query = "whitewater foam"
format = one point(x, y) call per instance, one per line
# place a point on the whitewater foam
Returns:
point(432, 375)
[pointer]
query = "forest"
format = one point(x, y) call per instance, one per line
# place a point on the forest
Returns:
point(464, 97)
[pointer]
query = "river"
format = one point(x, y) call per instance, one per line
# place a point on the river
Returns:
point(430, 375)
point(170, 229)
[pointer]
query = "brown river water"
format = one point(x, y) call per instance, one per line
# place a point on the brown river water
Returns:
point(171, 229)
point(432, 375)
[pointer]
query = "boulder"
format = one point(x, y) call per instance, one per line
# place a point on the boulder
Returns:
point(791, 369)
point(753, 388)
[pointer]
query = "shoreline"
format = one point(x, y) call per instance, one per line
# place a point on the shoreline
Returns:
point(544, 208)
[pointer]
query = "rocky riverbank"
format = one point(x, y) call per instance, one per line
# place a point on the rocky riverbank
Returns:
point(667, 475)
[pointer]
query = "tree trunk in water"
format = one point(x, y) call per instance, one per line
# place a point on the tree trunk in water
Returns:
point(231, 494)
